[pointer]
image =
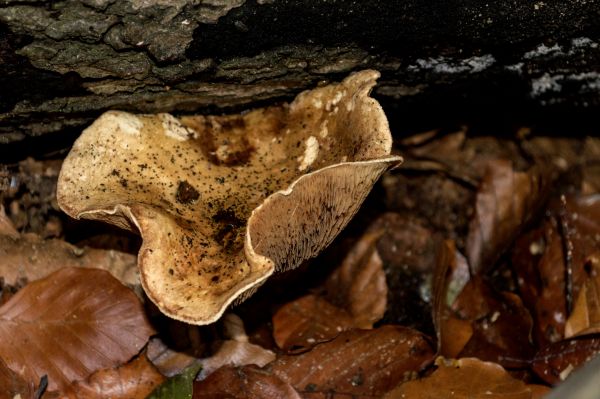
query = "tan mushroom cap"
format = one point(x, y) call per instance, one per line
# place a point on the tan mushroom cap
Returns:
point(222, 202)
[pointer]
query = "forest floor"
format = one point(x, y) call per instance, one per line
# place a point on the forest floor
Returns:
point(472, 268)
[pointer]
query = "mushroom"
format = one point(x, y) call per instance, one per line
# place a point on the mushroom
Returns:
point(221, 202)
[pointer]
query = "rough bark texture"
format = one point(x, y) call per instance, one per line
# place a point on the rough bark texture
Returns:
point(62, 63)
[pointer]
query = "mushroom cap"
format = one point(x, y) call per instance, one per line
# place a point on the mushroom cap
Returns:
point(221, 202)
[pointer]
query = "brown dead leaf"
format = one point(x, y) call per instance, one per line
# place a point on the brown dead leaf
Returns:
point(554, 262)
point(563, 152)
point(481, 322)
point(306, 321)
point(555, 362)
point(550, 306)
point(463, 156)
point(525, 257)
point(168, 361)
point(585, 240)
point(467, 378)
point(13, 385)
point(450, 276)
point(248, 382)
point(357, 362)
point(236, 353)
point(506, 200)
point(359, 285)
point(585, 318)
point(134, 380)
point(455, 334)
point(445, 149)
point(501, 325)
point(70, 324)
point(29, 257)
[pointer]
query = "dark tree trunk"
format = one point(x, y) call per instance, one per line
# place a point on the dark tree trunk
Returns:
point(63, 63)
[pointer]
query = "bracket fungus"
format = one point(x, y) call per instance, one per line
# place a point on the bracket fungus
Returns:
point(221, 202)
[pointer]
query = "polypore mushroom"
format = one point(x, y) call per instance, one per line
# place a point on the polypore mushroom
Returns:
point(222, 202)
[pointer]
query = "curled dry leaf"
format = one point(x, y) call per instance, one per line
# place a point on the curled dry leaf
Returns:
point(247, 382)
point(69, 325)
point(585, 246)
point(356, 362)
point(28, 257)
point(222, 202)
point(501, 325)
point(449, 278)
point(556, 361)
point(168, 361)
point(358, 285)
point(307, 321)
point(585, 318)
point(555, 262)
point(550, 305)
point(134, 380)
point(462, 156)
point(236, 353)
point(465, 379)
point(506, 200)
point(356, 298)
point(564, 153)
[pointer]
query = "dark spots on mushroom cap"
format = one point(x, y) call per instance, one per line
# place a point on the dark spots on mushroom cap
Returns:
point(186, 193)
point(241, 157)
point(228, 216)
point(228, 227)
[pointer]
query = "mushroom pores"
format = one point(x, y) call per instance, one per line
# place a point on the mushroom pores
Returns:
point(222, 202)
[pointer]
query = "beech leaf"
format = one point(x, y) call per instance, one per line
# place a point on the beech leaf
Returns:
point(506, 200)
point(248, 382)
point(134, 380)
point(29, 257)
point(306, 321)
point(552, 280)
point(585, 318)
point(69, 325)
point(466, 379)
point(449, 278)
point(356, 298)
point(168, 361)
point(236, 353)
point(555, 362)
point(584, 237)
point(358, 285)
point(356, 362)
point(501, 325)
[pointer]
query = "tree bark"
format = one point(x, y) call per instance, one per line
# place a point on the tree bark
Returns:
point(63, 63)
